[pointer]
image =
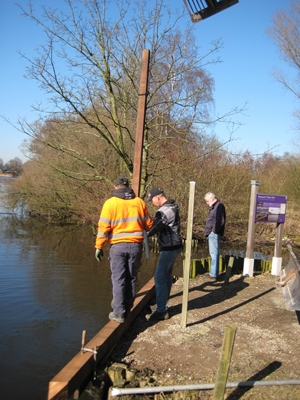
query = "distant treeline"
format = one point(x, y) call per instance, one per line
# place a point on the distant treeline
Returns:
point(49, 189)
point(12, 168)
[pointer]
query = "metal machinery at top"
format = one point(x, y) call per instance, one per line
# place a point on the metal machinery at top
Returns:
point(201, 9)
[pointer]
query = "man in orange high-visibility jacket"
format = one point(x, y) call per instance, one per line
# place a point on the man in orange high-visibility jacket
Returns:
point(123, 220)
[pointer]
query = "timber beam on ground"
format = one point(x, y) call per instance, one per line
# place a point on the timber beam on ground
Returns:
point(78, 370)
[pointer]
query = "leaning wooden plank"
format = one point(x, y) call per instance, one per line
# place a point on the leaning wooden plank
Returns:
point(225, 359)
point(71, 377)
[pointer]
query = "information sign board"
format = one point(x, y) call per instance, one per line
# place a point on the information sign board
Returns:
point(270, 208)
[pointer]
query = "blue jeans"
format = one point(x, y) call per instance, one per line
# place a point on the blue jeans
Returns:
point(124, 262)
point(213, 243)
point(163, 278)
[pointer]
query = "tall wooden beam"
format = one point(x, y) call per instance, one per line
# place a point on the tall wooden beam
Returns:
point(140, 124)
point(188, 250)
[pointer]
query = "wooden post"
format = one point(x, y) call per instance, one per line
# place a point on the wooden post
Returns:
point(188, 247)
point(278, 240)
point(140, 124)
point(249, 260)
point(277, 259)
point(229, 269)
point(224, 363)
point(83, 341)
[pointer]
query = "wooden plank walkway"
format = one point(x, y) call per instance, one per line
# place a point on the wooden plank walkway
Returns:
point(77, 371)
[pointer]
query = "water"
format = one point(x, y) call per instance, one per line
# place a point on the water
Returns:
point(47, 297)
point(51, 289)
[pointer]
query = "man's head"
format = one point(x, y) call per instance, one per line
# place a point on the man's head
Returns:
point(210, 198)
point(121, 182)
point(157, 197)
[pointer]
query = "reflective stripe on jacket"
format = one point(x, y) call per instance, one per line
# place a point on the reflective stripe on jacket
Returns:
point(123, 220)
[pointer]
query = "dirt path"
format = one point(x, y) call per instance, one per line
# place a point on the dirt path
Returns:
point(266, 344)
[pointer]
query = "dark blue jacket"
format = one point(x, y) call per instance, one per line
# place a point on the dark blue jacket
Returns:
point(216, 219)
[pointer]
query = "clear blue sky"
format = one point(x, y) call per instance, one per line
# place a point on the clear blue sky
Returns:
point(244, 75)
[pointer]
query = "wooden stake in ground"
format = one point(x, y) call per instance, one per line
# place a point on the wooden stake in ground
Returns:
point(188, 248)
point(224, 363)
point(229, 269)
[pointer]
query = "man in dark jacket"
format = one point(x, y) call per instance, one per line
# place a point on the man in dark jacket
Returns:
point(214, 229)
point(166, 224)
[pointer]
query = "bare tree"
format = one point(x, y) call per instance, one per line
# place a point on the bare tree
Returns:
point(285, 32)
point(90, 67)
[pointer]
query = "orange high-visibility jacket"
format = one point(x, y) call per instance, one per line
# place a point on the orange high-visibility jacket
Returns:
point(123, 221)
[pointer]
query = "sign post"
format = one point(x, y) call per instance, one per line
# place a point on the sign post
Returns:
point(272, 208)
point(249, 259)
point(277, 259)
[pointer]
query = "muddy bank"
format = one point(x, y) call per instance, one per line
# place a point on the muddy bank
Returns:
point(266, 343)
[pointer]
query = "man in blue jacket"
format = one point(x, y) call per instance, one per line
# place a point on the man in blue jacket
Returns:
point(166, 224)
point(214, 229)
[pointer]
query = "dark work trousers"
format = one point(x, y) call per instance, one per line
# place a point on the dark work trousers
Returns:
point(124, 262)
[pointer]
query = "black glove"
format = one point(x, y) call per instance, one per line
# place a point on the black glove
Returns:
point(99, 254)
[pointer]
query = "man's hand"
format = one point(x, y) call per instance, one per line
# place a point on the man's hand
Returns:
point(99, 254)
